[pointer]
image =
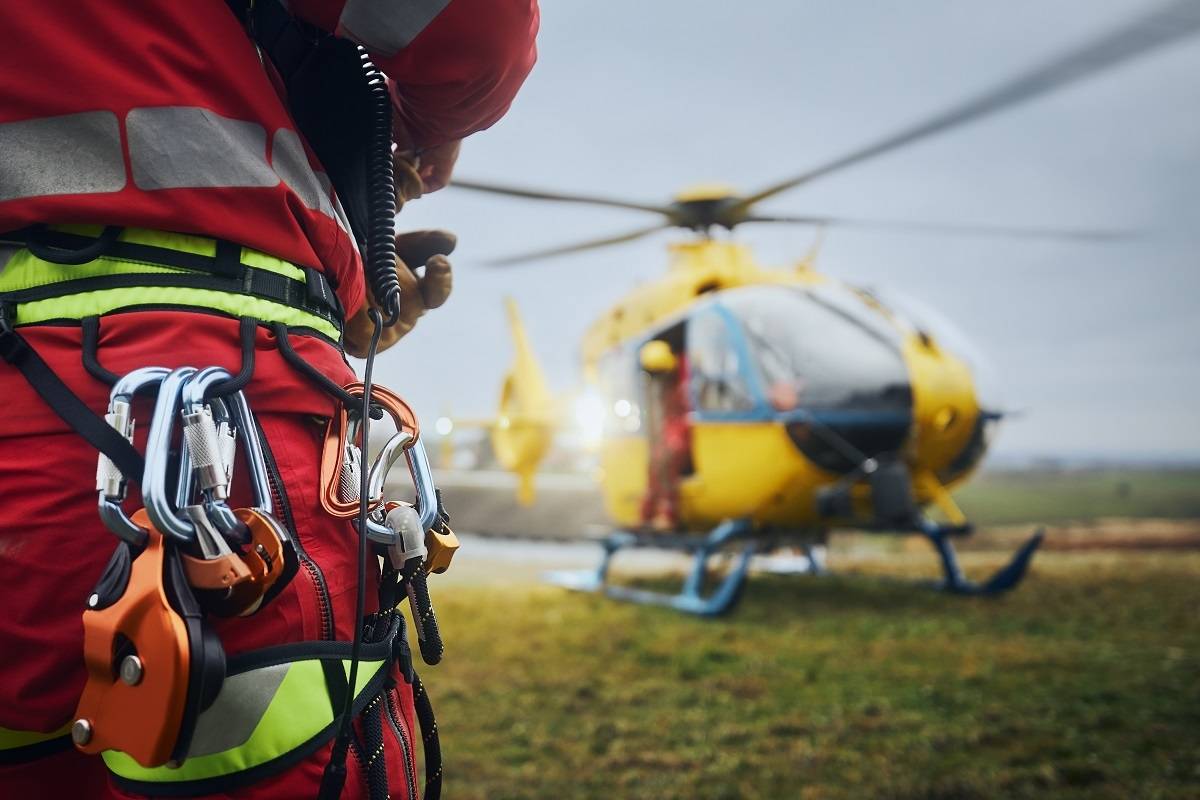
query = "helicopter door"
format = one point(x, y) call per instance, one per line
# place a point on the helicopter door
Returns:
point(721, 377)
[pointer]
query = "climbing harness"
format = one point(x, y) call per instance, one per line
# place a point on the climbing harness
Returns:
point(187, 555)
point(221, 723)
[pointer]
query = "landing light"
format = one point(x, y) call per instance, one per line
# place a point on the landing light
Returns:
point(622, 408)
point(589, 417)
point(443, 426)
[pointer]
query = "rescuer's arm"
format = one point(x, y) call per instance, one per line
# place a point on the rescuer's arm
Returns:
point(453, 71)
point(456, 76)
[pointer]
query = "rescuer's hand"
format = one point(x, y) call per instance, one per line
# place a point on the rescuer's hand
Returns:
point(417, 293)
point(431, 171)
point(407, 179)
point(437, 165)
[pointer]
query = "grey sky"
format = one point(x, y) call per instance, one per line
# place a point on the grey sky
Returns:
point(1100, 344)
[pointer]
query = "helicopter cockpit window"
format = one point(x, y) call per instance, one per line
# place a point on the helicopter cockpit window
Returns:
point(717, 374)
point(824, 363)
point(817, 350)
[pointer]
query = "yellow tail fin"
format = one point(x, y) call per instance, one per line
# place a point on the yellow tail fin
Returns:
point(524, 427)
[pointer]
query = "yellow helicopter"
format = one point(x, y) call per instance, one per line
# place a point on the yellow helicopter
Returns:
point(762, 407)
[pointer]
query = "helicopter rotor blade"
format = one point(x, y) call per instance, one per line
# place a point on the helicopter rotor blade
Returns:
point(999, 231)
point(522, 258)
point(1172, 22)
point(558, 197)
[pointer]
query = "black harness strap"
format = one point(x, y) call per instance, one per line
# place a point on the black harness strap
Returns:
point(223, 272)
point(65, 403)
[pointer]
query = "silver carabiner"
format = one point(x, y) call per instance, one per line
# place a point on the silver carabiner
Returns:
point(204, 451)
point(158, 450)
point(421, 473)
point(111, 484)
point(202, 440)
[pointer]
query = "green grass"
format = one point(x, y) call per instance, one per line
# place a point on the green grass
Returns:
point(1084, 683)
point(997, 498)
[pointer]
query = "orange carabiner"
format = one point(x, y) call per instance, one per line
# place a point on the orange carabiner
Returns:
point(334, 447)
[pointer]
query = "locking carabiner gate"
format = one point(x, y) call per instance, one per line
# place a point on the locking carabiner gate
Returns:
point(340, 451)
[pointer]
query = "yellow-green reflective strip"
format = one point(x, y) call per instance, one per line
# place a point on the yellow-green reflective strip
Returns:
point(10, 739)
point(26, 271)
point(104, 301)
point(253, 258)
point(298, 712)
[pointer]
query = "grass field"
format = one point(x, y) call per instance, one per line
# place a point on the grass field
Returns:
point(1084, 683)
point(1050, 496)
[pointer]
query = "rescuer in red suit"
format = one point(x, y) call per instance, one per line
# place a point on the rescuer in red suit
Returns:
point(669, 432)
point(161, 117)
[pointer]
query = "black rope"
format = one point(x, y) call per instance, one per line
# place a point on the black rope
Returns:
point(377, 776)
point(334, 776)
point(430, 739)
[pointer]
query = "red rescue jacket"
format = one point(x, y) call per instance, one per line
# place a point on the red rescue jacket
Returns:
point(159, 114)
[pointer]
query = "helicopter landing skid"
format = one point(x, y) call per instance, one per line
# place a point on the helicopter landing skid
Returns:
point(690, 599)
point(1004, 579)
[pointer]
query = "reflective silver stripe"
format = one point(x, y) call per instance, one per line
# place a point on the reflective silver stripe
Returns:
point(183, 147)
point(71, 154)
point(313, 188)
point(388, 26)
point(236, 712)
point(7, 251)
point(291, 163)
point(339, 213)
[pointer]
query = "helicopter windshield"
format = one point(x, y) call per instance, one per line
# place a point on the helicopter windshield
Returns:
point(813, 358)
point(915, 315)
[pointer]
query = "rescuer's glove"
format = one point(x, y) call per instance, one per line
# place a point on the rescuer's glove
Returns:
point(407, 178)
point(418, 293)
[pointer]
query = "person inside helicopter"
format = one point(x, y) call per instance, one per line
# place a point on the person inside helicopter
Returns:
point(668, 430)
point(819, 360)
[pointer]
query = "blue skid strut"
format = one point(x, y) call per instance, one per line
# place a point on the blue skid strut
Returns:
point(956, 583)
point(689, 600)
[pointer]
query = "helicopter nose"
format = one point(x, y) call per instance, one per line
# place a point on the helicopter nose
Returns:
point(844, 440)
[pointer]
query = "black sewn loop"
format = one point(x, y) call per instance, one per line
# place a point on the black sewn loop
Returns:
point(89, 351)
point(39, 243)
point(247, 330)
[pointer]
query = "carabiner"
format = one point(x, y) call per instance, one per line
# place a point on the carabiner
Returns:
point(201, 435)
point(341, 434)
point(159, 507)
point(111, 484)
point(211, 450)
